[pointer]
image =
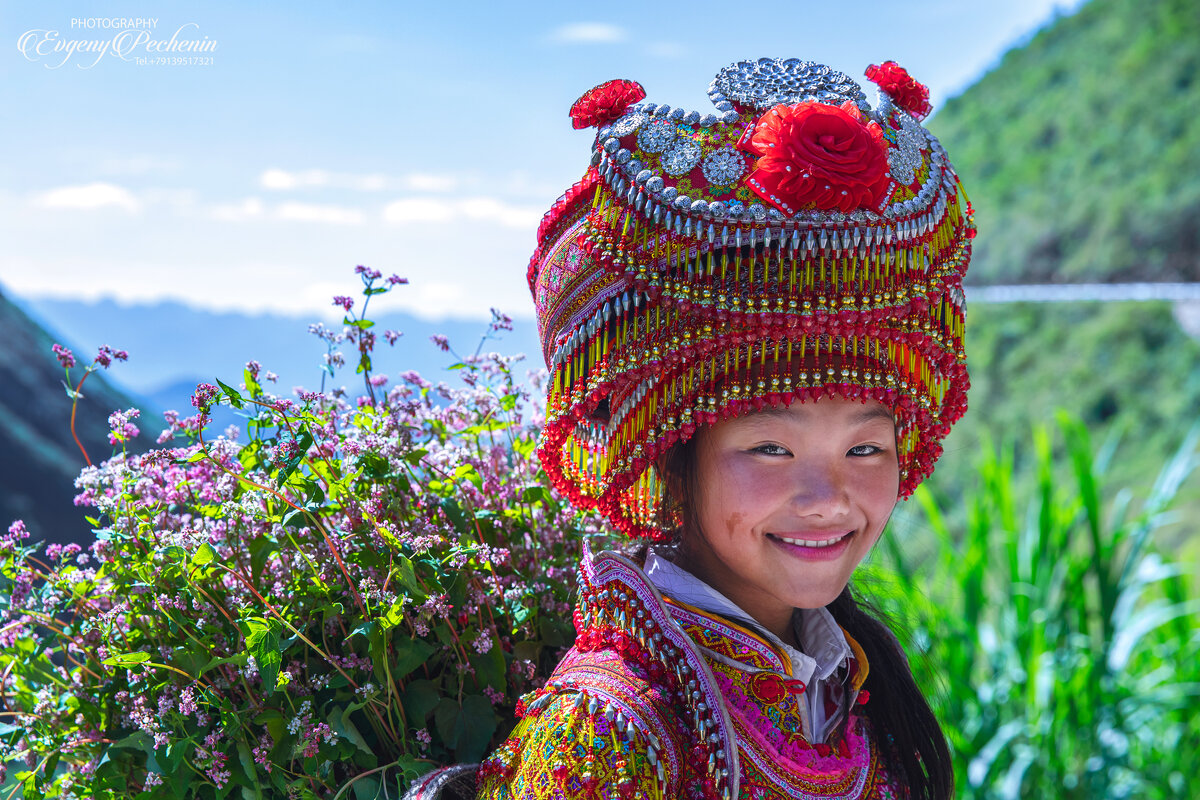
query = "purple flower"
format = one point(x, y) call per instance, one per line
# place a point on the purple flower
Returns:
point(204, 396)
point(346, 303)
point(396, 280)
point(187, 701)
point(441, 341)
point(121, 426)
point(17, 531)
point(262, 752)
point(414, 377)
point(392, 336)
point(368, 273)
point(501, 321)
point(483, 642)
point(106, 355)
point(65, 356)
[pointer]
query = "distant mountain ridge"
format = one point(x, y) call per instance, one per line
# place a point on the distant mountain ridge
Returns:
point(1081, 150)
point(172, 344)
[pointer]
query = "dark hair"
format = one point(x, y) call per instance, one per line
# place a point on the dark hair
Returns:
point(909, 738)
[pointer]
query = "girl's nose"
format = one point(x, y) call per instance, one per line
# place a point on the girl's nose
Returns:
point(820, 491)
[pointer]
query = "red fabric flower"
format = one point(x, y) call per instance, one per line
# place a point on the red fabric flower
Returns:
point(767, 687)
point(905, 92)
point(605, 103)
point(814, 155)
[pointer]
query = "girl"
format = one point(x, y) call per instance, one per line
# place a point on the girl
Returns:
point(753, 321)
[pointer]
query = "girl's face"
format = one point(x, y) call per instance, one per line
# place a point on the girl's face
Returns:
point(789, 501)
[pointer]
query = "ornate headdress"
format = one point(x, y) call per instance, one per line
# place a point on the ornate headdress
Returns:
point(795, 244)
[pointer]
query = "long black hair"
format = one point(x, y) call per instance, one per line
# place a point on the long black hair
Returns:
point(909, 738)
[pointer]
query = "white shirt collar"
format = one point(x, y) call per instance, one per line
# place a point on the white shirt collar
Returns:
point(824, 642)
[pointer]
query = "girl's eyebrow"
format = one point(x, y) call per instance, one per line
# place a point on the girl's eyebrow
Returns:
point(873, 412)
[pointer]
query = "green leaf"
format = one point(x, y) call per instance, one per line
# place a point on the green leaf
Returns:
point(475, 725)
point(552, 632)
point(252, 384)
point(177, 750)
point(410, 654)
point(216, 662)
point(406, 575)
point(420, 698)
point(445, 720)
point(469, 472)
point(235, 397)
point(363, 629)
point(261, 549)
point(490, 668)
point(303, 441)
point(262, 642)
point(339, 720)
point(532, 495)
point(454, 513)
point(204, 555)
point(126, 660)
point(248, 766)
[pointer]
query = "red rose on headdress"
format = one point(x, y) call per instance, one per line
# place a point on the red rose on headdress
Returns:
point(905, 92)
point(812, 154)
point(605, 103)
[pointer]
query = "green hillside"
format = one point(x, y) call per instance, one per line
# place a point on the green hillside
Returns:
point(1081, 150)
point(1124, 369)
point(40, 459)
point(1081, 154)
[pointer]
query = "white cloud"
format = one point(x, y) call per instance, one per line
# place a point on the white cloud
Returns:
point(418, 209)
point(180, 200)
point(305, 212)
point(588, 33)
point(484, 209)
point(283, 180)
point(88, 197)
point(510, 216)
point(249, 208)
point(137, 165)
point(429, 182)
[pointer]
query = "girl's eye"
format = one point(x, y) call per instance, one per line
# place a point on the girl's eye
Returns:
point(864, 450)
point(772, 450)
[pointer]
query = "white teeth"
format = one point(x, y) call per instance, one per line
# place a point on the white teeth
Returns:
point(811, 543)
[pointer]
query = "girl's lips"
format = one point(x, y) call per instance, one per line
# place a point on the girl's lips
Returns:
point(823, 547)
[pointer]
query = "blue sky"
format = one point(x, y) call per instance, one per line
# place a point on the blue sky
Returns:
point(419, 138)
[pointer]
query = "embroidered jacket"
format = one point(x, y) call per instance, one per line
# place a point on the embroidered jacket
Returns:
point(658, 699)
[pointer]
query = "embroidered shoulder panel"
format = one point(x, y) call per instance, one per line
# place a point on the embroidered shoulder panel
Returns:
point(659, 700)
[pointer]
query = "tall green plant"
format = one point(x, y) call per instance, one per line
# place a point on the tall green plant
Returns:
point(1069, 642)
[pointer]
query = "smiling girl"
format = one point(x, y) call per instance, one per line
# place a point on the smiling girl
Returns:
point(753, 322)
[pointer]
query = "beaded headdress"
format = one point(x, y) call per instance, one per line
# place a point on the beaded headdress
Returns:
point(797, 243)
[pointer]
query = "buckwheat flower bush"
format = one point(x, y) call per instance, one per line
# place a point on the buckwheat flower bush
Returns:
point(358, 591)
